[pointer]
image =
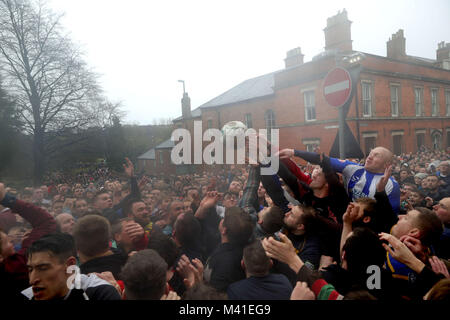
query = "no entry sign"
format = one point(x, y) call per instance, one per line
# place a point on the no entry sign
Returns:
point(337, 87)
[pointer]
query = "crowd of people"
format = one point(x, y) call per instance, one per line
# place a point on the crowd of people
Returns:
point(321, 228)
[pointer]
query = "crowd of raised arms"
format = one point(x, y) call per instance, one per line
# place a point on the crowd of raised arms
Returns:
point(321, 228)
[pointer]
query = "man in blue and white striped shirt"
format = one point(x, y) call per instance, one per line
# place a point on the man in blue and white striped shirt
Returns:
point(359, 181)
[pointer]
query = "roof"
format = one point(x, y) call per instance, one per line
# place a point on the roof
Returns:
point(249, 89)
point(149, 155)
point(166, 144)
point(194, 114)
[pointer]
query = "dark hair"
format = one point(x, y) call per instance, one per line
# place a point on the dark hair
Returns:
point(144, 276)
point(187, 230)
point(101, 191)
point(165, 247)
point(202, 291)
point(60, 245)
point(273, 220)
point(257, 263)
point(92, 234)
point(430, 226)
point(363, 249)
point(359, 294)
point(128, 205)
point(440, 291)
point(239, 226)
point(308, 218)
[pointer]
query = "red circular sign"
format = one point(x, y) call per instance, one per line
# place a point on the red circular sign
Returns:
point(337, 87)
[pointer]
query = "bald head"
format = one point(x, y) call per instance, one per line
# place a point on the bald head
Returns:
point(378, 159)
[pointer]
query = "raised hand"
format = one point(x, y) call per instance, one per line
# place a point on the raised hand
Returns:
point(129, 168)
point(384, 179)
point(302, 292)
point(438, 266)
point(2, 191)
point(210, 200)
point(282, 251)
point(172, 295)
point(400, 252)
point(353, 213)
point(134, 231)
point(285, 153)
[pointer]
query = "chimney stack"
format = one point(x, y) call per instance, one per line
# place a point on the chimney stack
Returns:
point(443, 55)
point(396, 46)
point(186, 106)
point(338, 35)
point(294, 57)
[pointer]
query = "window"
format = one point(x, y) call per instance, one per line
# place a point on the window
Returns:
point(367, 99)
point(397, 142)
point(395, 89)
point(269, 117)
point(420, 136)
point(248, 120)
point(311, 144)
point(434, 102)
point(418, 94)
point(447, 102)
point(161, 158)
point(209, 124)
point(310, 105)
point(370, 140)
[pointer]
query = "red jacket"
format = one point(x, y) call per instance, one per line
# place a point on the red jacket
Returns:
point(13, 270)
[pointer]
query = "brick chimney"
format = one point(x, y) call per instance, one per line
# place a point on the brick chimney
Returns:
point(186, 106)
point(443, 55)
point(294, 57)
point(338, 35)
point(396, 46)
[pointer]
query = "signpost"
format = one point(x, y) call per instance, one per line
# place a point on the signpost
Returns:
point(337, 89)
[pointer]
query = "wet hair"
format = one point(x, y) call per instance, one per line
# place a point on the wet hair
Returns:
point(239, 226)
point(92, 234)
point(202, 291)
point(430, 226)
point(440, 291)
point(362, 249)
point(144, 276)
point(165, 247)
point(256, 261)
point(60, 245)
point(273, 220)
point(187, 230)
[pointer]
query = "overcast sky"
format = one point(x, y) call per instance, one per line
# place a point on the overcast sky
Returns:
point(142, 48)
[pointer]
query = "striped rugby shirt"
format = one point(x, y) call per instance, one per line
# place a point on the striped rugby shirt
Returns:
point(360, 183)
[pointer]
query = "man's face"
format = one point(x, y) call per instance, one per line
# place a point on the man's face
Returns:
point(78, 193)
point(66, 222)
point(187, 207)
point(292, 218)
point(140, 212)
point(405, 224)
point(229, 200)
point(261, 191)
point(235, 187)
point(442, 210)
point(424, 183)
point(38, 195)
point(417, 181)
point(403, 174)
point(48, 276)
point(80, 207)
point(57, 207)
point(7, 246)
point(123, 238)
point(376, 161)
point(318, 179)
point(433, 182)
point(176, 208)
point(103, 201)
point(444, 168)
point(416, 198)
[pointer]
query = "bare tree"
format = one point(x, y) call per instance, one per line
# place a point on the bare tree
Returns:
point(52, 86)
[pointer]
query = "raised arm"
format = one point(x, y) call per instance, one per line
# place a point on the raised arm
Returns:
point(41, 221)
